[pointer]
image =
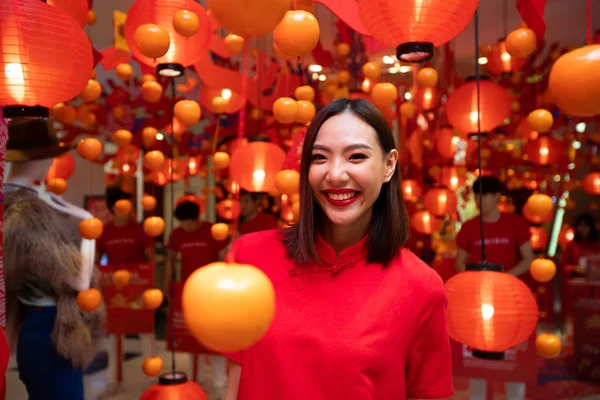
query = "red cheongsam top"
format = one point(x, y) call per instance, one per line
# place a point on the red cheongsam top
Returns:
point(346, 330)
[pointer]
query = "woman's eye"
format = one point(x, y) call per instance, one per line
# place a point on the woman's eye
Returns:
point(358, 156)
point(318, 157)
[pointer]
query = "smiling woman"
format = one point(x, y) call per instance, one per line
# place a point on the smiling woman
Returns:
point(357, 317)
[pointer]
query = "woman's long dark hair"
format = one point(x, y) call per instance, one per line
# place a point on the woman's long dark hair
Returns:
point(389, 222)
point(588, 220)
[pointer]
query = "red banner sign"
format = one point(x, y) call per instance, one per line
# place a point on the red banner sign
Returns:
point(184, 341)
point(125, 312)
point(520, 364)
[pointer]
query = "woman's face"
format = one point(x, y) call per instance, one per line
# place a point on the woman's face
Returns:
point(348, 168)
point(583, 229)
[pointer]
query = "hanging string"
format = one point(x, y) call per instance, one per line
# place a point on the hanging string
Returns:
point(478, 82)
point(172, 208)
point(588, 7)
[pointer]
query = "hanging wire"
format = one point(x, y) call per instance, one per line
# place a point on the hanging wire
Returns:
point(172, 253)
point(478, 82)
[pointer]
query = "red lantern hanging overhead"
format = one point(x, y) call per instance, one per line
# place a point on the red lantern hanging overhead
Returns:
point(453, 177)
point(440, 201)
point(255, 166)
point(425, 223)
point(591, 183)
point(501, 62)
point(411, 191)
point(33, 71)
point(414, 30)
point(174, 386)
point(489, 311)
point(426, 98)
point(450, 141)
point(184, 51)
point(545, 150)
point(78, 9)
point(461, 107)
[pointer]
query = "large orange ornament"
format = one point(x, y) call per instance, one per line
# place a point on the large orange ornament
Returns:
point(574, 82)
point(122, 137)
point(538, 206)
point(89, 148)
point(152, 40)
point(371, 70)
point(427, 77)
point(154, 226)
point(148, 202)
point(123, 207)
point(297, 33)
point(542, 269)
point(384, 94)
point(249, 18)
point(89, 300)
point(234, 43)
point(219, 105)
point(304, 93)
point(287, 182)
point(152, 298)
point(57, 186)
point(186, 23)
point(152, 366)
point(149, 136)
point(154, 160)
point(152, 92)
point(91, 228)
point(521, 43)
point(306, 112)
point(489, 311)
point(255, 165)
point(220, 160)
point(285, 110)
point(187, 112)
point(548, 345)
point(219, 231)
point(91, 91)
point(124, 71)
point(244, 294)
point(540, 120)
point(121, 278)
point(591, 183)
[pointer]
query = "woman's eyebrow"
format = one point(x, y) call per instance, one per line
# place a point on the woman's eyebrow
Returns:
point(356, 146)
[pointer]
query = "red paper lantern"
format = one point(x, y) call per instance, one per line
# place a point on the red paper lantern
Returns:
point(414, 30)
point(176, 387)
point(449, 141)
point(425, 223)
point(426, 98)
point(183, 51)
point(591, 183)
point(490, 311)
point(411, 190)
point(501, 62)
point(33, 71)
point(440, 201)
point(544, 150)
point(256, 165)
point(78, 9)
point(566, 236)
point(453, 177)
point(461, 107)
point(539, 238)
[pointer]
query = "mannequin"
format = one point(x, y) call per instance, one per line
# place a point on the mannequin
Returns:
point(46, 264)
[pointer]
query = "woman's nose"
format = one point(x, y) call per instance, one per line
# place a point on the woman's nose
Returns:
point(337, 173)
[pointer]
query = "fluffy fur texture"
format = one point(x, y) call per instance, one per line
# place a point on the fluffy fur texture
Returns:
point(41, 246)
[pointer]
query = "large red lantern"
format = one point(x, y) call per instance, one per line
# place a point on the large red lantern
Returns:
point(591, 183)
point(78, 9)
point(425, 223)
point(255, 165)
point(33, 73)
point(489, 311)
point(184, 51)
point(544, 150)
point(414, 30)
point(461, 107)
point(440, 201)
point(501, 62)
point(174, 386)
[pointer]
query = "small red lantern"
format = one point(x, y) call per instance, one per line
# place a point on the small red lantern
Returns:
point(501, 62)
point(255, 166)
point(425, 223)
point(544, 150)
point(414, 30)
point(453, 177)
point(591, 183)
point(539, 238)
point(489, 311)
point(426, 98)
point(449, 141)
point(566, 236)
point(461, 107)
point(174, 386)
point(411, 191)
point(32, 57)
point(62, 167)
point(440, 201)
point(184, 51)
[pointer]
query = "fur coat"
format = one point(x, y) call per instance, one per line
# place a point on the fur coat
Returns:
point(42, 245)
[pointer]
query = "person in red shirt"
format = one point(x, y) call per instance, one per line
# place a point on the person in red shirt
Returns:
point(506, 243)
point(252, 219)
point(357, 316)
point(192, 242)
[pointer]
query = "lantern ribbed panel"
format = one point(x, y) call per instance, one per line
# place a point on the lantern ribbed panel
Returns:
point(440, 201)
point(255, 165)
point(182, 391)
point(591, 183)
point(184, 51)
point(394, 22)
point(78, 9)
point(45, 57)
point(461, 107)
point(471, 295)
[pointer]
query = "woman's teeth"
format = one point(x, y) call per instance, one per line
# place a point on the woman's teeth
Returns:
point(342, 196)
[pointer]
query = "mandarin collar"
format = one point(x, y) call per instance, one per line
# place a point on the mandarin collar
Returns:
point(347, 257)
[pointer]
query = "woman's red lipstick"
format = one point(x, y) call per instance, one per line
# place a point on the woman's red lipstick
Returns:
point(341, 197)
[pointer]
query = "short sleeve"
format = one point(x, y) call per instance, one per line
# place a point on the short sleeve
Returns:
point(462, 238)
point(522, 229)
point(429, 361)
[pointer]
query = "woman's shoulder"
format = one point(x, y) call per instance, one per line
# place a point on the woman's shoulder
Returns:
point(417, 274)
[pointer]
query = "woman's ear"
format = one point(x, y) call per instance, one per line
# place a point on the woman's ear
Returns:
point(391, 162)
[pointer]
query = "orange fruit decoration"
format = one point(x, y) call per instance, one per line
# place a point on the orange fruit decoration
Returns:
point(186, 23)
point(65, 114)
point(427, 77)
point(154, 160)
point(343, 77)
point(219, 105)
point(542, 269)
point(123, 207)
point(89, 300)
point(153, 41)
point(538, 206)
point(575, 82)
point(57, 186)
point(591, 183)
point(408, 110)
point(149, 135)
point(91, 17)
point(219, 231)
point(371, 70)
point(124, 71)
point(152, 298)
point(384, 94)
point(90, 228)
point(122, 137)
point(154, 226)
point(152, 92)
point(548, 345)
point(304, 93)
point(121, 278)
point(540, 120)
point(234, 43)
point(285, 110)
point(245, 18)
point(187, 112)
point(148, 78)
point(220, 160)
point(247, 305)
point(342, 49)
point(521, 42)
point(148, 202)
point(89, 148)
point(306, 112)
point(287, 182)
point(152, 366)
point(91, 91)
point(297, 33)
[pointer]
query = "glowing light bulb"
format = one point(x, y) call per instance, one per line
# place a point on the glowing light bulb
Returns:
point(487, 311)
point(258, 178)
point(505, 57)
point(16, 81)
point(226, 94)
point(473, 116)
